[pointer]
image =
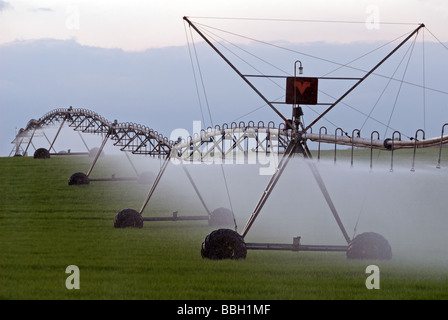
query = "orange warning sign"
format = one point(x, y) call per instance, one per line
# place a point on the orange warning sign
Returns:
point(301, 90)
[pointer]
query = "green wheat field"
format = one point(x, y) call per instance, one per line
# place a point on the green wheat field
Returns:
point(47, 225)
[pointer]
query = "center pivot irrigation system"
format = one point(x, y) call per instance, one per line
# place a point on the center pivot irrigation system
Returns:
point(225, 142)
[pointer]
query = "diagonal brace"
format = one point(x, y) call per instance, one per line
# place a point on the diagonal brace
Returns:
point(293, 147)
point(155, 183)
point(272, 182)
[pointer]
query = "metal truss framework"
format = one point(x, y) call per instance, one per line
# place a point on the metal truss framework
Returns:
point(131, 137)
point(224, 142)
point(228, 141)
point(237, 143)
point(234, 143)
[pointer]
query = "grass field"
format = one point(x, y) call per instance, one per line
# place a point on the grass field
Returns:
point(46, 225)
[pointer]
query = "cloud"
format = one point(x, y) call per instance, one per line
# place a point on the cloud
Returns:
point(41, 9)
point(4, 5)
point(156, 87)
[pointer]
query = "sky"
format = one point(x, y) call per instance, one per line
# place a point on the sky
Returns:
point(119, 58)
point(136, 25)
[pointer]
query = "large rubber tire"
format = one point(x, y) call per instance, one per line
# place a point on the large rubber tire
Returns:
point(221, 217)
point(78, 178)
point(41, 153)
point(223, 244)
point(128, 218)
point(369, 245)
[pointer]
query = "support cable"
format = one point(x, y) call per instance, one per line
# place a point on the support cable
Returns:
point(364, 55)
point(202, 79)
point(209, 33)
point(211, 121)
point(323, 59)
point(341, 66)
point(303, 20)
point(424, 81)
point(194, 75)
point(440, 42)
point(401, 85)
point(382, 93)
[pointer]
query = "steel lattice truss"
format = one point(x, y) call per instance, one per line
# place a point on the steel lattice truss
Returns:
point(223, 142)
point(227, 142)
point(131, 137)
point(221, 145)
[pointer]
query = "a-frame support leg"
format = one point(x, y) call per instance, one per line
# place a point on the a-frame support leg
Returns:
point(155, 183)
point(271, 184)
point(83, 141)
point(57, 134)
point(196, 189)
point(295, 146)
point(327, 197)
point(98, 153)
point(29, 142)
point(132, 164)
